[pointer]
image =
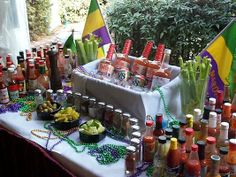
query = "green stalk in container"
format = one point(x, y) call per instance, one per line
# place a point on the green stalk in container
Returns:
point(82, 52)
point(86, 47)
point(95, 49)
point(90, 51)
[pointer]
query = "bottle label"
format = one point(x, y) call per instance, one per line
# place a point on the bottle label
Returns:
point(150, 72)
point(105, 68)
point(32, 84)
point(4, 96)
point(172, 171)
point(14, 94)
point(123, 75)
point(22, 87)
point(119, 63)
point(138, 68)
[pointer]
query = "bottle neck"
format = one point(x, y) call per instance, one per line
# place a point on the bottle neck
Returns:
point(42, 70)
point(149, 131)
point(193, 155)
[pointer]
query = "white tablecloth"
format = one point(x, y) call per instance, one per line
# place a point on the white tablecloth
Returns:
point(78, 163)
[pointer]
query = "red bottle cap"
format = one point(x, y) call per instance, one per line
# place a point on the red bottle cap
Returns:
point(159, 117)
point(127, 47)
point(159, 52)
point(149, 123)
point(111, 51)
point(189, 131)
point(194, 147)
point(232, 144)
point(211, 140)
point(147, 49)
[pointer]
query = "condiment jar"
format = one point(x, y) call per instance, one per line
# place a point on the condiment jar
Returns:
point(49, 95)
point(84, 105)
point(77, 101)
point(69, 99)
point(130, 160)
point(92, 108)
point(136, 134)
point(38, 97)
point(100, 111)
point(117, 120)
point(137, 144)
point(60, 98)
point(125, 125)
point(109, 115)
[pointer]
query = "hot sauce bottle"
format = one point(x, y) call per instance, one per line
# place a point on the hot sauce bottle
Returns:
point(226, 115)
point(232, 129)
point(231, 160)
point(32, 81)
point(223, 141)
point(189, 139)
point(224, 169)
point(212, 124)
point(183, 155)
point(189, 120)
point(210, 149)
point(158, 131)
point(122, 60)
point(214, 166)
point(140, 64)
point(148, 143)
point(204, 130)
point(21, 81)
point(201, 154)
point(196, 123)
point(12, 85)
point(219, 99)
point(4, 97)
point(227, 98)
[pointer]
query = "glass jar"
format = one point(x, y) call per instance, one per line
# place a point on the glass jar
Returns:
point(130, 160)
point(125, 125)
point(109, 115)
point(100, 111)
point(137, 144)
point(49, 95)
point(133, 121)
point(136, 134)
point(117, 121)
point(69, 99)
point(38, 97)
point(84, 105)
point(61, 98)
point(77, 101)
point(92, 108)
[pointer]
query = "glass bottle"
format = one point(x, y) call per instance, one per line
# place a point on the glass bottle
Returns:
point(203, 130)
point(232, 128)
point(61, 98)
point(133, 121)
point(218, 112)
point(135, 128)
point(77, 101)
point(210, 149)
point(159, 53)
point(168, 133)
point(38, 97)
point(84, 105)
point(183, 125)
point(226, 112)
point(49, 95)
point(32, 81)
point(224, 169)
point(61, 62)
point(130, 161)
point(136, 134)
point(158, 131)
point(173, 159)
point(189, 121)
point(231, 160)
point(183, 155)
point(219, 99)
point(193, 167)
point(100, 111)
point(108, 116)
point(212, 103)
point(43, 79)
point(196, 123)
point(223, 141)
point(67, 68)
point(69, 99)
point(92, 108)
point(148, 142)
point(12, 85)
point(117, 120)
point(227, 98)
point(201, 154)
point(160, 158)
point(4, 96)
point(189, 139)
point(137, 144)
point(212, 124)
point(166, 57)
point(21, 81)
point(176, 131)
point(206, 112)
point(125, 125)
point(55, 78)
point(214, 166)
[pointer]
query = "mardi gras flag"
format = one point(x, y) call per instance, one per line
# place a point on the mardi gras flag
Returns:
point(70, 44)
point(95, 24)
point(222, 52)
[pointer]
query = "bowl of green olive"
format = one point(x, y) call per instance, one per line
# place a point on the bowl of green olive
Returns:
point(47, 110)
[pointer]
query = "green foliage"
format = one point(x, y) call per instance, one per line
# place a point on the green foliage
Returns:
point(185, 26)
point(38, 17)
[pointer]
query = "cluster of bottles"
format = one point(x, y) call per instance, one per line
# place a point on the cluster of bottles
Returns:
point(139, 73)
point(203, 145)
point(42, 68)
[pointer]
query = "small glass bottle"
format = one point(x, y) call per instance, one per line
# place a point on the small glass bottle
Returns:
point(166, 57)
point(67, 68)
point(168, 134)
point(43, 79)
point(231, 160)
point(176, 129)
point(201, 154)
point(204, 130)
point(218, 112)
point(227, 98)
point(219, 99)
point(38, 97)
point(148, 142)
point(224, 169)
point(214, 166)
point(196, 123)
point(232, 129)
point(137, 144)
point(4, 96)
point(183, 155)
point(206, 112)
point(32, 81)
point(77, 101)
point(212, 124)
point(158, 131)
point(100, 111)
point(21, 81)
point(189, 139)
point(210, 149)
point(92, 107)
point(125, 125)
point(212, 103)
point(223, 141)
point(182, 124)
point(136, 134)
point(130, 161)
point(160, 158)
point(61, 98)
point(117, 120)
point(69, 99)
point(108, 116)
point(49, 95)
point(193, 167)
point(84, 105)
point(189, 121)
point(12, 85)
point(226, 115)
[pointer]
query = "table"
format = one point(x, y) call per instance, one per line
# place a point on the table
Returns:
point(79, 164)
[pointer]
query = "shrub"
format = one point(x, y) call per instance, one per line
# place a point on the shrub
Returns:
point(38, 13)
point(185, 26)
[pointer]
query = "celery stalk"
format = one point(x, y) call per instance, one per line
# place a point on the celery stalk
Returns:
point(95, 49)
point(86, 47)
point(90, 51)
point(82, 52)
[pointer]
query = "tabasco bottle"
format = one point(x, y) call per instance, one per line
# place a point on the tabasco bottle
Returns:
point(140, 64)
point(12, 85)
point(21, 81)
point(148, 142)
point(122, 60)
point(32, 81)
point(4, 97)
point(43, 79)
